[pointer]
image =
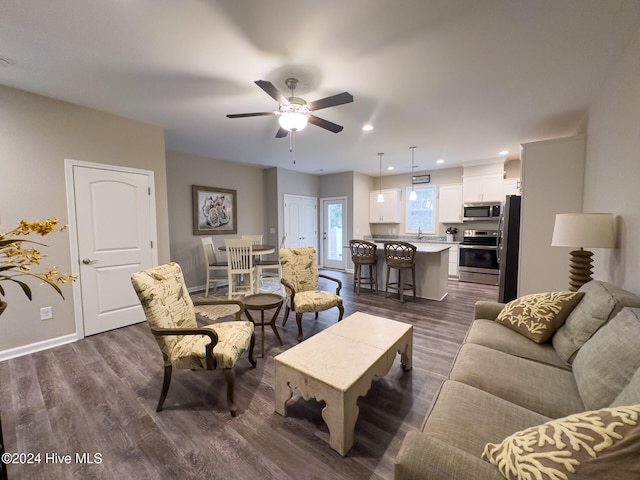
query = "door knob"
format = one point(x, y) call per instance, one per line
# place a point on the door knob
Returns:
point(88, 261)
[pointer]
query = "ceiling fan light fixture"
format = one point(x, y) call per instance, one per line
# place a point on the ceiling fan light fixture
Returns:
point(293, 121)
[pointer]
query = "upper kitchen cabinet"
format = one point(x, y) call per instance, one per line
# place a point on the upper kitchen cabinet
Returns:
point(482, 188)
point(450, 204)
point(511, 186)
point(483, 182)
point(387, 211)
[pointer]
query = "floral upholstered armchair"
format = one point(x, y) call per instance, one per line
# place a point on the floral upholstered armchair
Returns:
point(300, 278)
point(171, 315)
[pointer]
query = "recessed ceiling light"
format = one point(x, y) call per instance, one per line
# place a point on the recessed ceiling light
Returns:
point(367, 127)
point(391, 167)
point(504, 152)
point(440, 160)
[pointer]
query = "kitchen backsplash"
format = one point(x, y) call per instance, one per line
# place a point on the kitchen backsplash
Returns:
point(408, 238)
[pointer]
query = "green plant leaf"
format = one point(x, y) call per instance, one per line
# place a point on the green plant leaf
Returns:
point(25, 287)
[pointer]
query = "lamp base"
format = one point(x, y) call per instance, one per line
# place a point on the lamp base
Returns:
point(580, 268)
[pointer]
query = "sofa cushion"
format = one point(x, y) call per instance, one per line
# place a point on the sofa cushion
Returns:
point(469, 418)
point(631, 393)
point(494, 335)
point(595, 444)
point(539, 315)
point(606, 363)
point(545, 389)
point(601, 302)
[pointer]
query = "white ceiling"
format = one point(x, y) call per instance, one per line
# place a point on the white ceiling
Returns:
point(459, 79)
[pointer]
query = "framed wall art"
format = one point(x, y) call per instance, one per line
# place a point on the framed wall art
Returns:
point(214, 210)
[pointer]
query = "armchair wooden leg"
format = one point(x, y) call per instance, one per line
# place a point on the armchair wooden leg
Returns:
point(286, 315)
point(165, 386)
point(299, 322)
point(341, 308)
point(228, 374)
point(251, 345)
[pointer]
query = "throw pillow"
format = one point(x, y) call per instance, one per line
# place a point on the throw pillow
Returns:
point(595, 444)
point(539, 315)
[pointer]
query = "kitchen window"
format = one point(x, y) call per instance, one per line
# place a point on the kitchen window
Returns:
point(421, 211)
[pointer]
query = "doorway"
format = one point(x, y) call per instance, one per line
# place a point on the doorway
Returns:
point(300, 221)
point(334, 221)
point(112, 225)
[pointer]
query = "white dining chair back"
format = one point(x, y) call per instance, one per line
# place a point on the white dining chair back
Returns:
point(213, 265)
point(256, 239)
point(241, 270)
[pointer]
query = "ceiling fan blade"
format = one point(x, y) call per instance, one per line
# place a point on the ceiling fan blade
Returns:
point(282, 133)
point(242, 115)
point(272, 91)
point(339, 99)
point(326, 124)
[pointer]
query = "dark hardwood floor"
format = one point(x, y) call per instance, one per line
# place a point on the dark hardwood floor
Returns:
point(98, 396)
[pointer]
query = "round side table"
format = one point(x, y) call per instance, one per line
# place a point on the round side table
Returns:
point(262, 302)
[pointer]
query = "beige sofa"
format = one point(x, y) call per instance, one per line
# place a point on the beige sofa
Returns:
point(502, 383)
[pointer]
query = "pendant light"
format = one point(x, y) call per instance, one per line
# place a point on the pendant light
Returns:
point(413, 195)
point(380, 196)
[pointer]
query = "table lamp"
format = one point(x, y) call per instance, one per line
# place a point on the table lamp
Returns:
point(580, 230)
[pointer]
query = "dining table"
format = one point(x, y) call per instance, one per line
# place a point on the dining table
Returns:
point(261, 249)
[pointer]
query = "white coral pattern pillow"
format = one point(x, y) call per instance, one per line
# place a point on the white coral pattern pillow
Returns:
point(539, 315)
point(598, 444)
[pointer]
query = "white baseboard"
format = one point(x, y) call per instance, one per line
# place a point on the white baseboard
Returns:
point(38, 346)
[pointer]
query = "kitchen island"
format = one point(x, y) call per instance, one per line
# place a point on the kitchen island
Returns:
point(432, 269)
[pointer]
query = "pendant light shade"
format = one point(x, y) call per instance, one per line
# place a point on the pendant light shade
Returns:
point(380, 196)
point(412, 195)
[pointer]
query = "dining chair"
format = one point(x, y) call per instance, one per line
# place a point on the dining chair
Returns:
point(171, 314)
point(262, 264)
point(213, 265)
point(300, 279)
point(240, 266)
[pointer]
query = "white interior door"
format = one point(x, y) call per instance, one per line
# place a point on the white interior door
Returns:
point(300, 221)
point(333, 234)
point(115, 227)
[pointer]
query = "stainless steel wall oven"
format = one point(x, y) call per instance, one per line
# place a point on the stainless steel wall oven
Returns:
point(478, 257)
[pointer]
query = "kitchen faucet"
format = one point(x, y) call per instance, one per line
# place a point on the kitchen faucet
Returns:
point(419, 233)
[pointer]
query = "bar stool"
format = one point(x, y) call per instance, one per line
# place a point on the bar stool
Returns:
point(401, 256)
point(364, 253)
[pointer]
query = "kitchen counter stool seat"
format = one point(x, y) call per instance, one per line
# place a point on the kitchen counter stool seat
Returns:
point(363, 253)
point(400, 256)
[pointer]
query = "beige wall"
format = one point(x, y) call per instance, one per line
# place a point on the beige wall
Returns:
point(612, 169)
point(185, 170)
point(38, 134)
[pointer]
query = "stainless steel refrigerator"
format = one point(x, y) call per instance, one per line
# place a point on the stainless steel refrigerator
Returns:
point(509, 248)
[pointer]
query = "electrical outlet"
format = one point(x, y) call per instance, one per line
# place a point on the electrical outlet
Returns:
point(46, 313)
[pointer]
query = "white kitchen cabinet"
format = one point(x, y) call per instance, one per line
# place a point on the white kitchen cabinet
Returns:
point(511, 186)
point(387, 211)
point(482, 188)
point(450, 204)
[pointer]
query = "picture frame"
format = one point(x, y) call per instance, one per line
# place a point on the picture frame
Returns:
point(215, 210)
point(421, 179)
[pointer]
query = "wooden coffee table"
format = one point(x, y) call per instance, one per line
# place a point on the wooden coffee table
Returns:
point(337, 365)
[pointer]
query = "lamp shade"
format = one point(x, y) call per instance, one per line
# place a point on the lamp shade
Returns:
point(583, 230)
point(293, 121)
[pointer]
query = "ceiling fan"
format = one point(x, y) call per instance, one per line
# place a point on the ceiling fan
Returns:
point(294, 112)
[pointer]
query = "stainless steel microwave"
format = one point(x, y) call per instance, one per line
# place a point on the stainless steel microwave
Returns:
point(475, 212)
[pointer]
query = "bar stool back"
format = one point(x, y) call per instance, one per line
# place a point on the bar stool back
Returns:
point(401, 256)
point(364, 253)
